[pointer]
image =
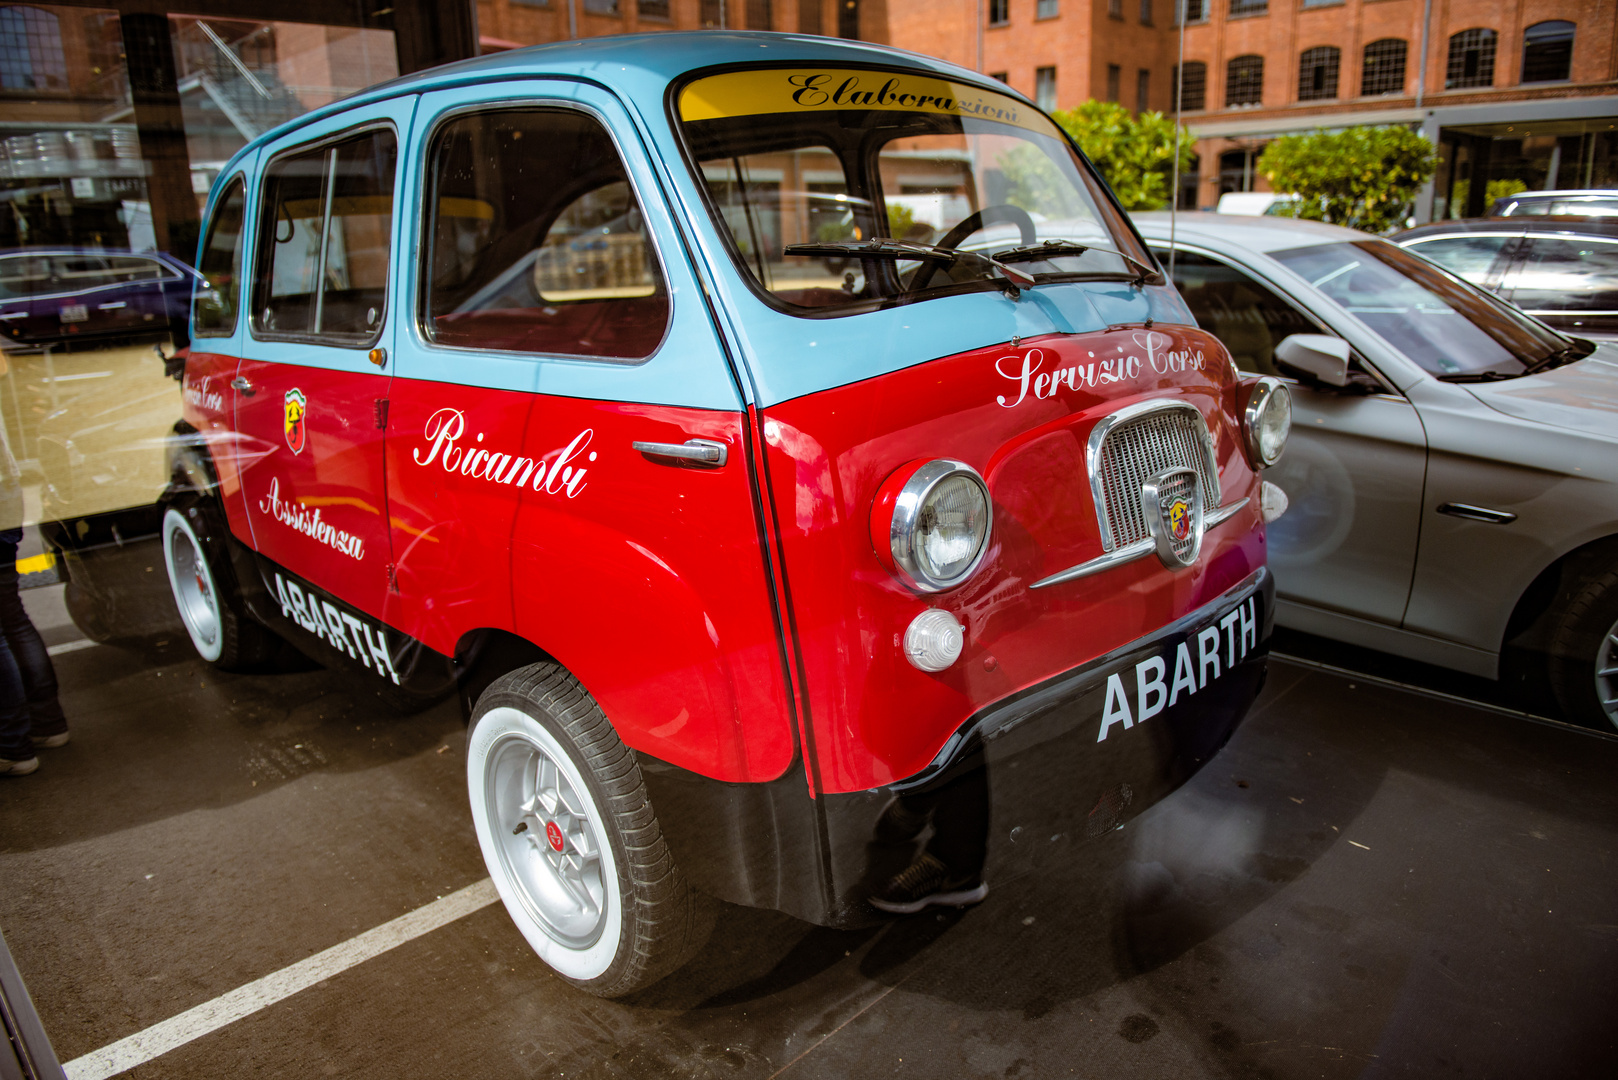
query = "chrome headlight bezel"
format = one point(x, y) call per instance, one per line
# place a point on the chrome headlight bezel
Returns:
point(909, 505)
point(1267, 393)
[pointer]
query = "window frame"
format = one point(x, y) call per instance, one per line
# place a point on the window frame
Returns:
point(1571, 39)
point(1326, 58)
point(260, 251)
point(1487, 58)
point(1404, 67)
point(243, 257)
point(422, 269)
point(1230, 74)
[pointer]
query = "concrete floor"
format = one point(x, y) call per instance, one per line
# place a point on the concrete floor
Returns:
point(1365, 883)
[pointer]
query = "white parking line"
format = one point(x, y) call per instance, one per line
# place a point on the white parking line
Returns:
point(143, 1046)
point(71, 646)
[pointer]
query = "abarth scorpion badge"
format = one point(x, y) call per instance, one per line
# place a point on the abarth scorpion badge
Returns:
point(1172, 504)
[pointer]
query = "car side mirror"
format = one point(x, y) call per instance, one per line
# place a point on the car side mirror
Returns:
point(1318, 356)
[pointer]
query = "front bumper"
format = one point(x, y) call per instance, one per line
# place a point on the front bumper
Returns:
point(1072, 757)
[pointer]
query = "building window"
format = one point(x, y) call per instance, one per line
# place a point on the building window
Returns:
point(1244, 81)
point(1143, 90)
point(1317, 73)
point(999, 12)
point(1003, 76)
point(1471, 59)
point(1046, 9)
point(1115, 9)
point(1190, 90)
point(1115, 78)
point(31, 56)
point(1547, 52)
point(809, 16)
point(1190, 11)
point(1383, 71)
point(758, 15)
point(848, 20)
point(713, 15)
point(1045, 88)
point(1146, 12)
point(1236, 171)
point(1249, 7)
point(601, 7)
point(653, 9)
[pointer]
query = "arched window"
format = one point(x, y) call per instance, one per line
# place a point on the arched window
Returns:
point(1471, 59)
point(1547, 51)
point(1383, 71)
point(31, 55)
point(1244, 81)
point(1317, 72)
point(1192, 87)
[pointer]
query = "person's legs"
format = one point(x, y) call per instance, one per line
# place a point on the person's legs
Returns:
point(16, 749)
point(26, 650)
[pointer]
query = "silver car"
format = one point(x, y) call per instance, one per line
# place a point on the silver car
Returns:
point(1453, 467)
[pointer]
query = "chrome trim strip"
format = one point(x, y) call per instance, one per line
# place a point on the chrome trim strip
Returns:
point(1477, 513)
point(1098, 439)
point(1134, 551)
point(1129, 553)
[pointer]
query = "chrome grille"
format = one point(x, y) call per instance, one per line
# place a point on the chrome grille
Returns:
point(1137, 448)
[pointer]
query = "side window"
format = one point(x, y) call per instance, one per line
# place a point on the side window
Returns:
point(325, 232)
point(214, 303)
point(1469, 257)
point(537, 244)
point(1248, 317)
point(1567, 275)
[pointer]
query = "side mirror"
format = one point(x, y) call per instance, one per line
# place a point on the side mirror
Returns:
point(1318, 356)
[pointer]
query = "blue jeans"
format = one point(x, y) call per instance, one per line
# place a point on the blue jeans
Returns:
point(28, 704)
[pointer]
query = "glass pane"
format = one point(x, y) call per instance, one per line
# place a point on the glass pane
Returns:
point(1247, 317)
point(215, 303)
point(357, 239)
point(1469, 257)
point(538, 244)
point(1568, 275)
point(289, 244)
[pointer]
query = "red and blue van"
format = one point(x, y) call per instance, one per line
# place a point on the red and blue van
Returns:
point(758, 433)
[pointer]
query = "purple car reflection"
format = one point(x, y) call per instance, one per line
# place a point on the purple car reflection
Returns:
point(52, 295)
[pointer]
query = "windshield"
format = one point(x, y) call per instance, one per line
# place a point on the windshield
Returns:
point(838, 159)
point(1446, 325)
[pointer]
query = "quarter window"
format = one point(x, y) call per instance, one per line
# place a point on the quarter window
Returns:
point(324, 241)
point(537, 243)
point(214, 303)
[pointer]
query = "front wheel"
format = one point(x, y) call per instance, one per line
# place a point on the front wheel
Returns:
point(570, 838)
point(217, 621)
point(1583, 660)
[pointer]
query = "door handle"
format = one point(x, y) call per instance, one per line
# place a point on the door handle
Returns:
point(112, 306)
point(243, 386)
point(703, 453)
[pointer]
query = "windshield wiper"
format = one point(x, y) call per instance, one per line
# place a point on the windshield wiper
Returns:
point(1013, 280)
point(1056, 249)
point(1479, 376)
point(1557, 359)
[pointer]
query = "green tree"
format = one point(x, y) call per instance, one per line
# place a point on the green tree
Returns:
point(1134, 151)
point(1362, 177)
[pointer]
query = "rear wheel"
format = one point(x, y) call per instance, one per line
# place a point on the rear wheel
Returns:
point(570, 837)
point(1583, 661)
point(205, 592)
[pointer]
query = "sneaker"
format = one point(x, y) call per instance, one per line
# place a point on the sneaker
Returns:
point(18, 768)
point(899, 824)
point(52, 741)
point(927, 881)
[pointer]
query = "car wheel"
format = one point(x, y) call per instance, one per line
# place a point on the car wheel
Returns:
point(1583, 655)
point(205, 593)
point(570, 837)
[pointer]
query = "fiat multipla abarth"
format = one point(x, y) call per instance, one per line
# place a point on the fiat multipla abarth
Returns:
point(761, 434)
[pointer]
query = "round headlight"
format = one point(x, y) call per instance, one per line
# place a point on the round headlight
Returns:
point(1266, 421)
point(940, 525)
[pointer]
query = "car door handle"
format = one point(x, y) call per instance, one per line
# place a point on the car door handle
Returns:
point(243, 386)
point(112, 306)
point(703, 453)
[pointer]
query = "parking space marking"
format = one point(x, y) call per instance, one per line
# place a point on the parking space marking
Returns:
point(210, 1016)
point(70, 646)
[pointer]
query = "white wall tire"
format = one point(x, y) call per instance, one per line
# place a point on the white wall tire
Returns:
point(191, 579)
point(570, 838)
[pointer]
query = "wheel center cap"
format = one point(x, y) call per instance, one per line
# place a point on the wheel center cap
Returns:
point(554, 835)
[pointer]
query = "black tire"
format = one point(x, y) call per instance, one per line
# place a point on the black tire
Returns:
point(1582, 658)
point(206, 593)
point(570, 837)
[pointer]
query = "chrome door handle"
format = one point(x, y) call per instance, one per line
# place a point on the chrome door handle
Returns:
point(112, 306)
point(704, 453)
point(242, 385)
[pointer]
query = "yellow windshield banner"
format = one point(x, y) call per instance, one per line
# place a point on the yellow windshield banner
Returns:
point(806, 90)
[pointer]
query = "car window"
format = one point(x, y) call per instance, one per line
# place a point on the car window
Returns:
point(810, 157)
point(1448, 326)
point(325, 233)
point(23, 276)
point(1470, 257)
point(133, 268)
point(538, 244)
point(79, 272)
point(1248, 317)
point(1576, 274)
point(1573, 205)
point(214, 301)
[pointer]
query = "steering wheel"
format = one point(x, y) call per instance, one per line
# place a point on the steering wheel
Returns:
point(971, 223)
